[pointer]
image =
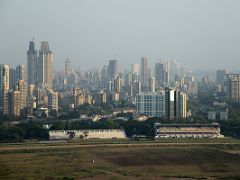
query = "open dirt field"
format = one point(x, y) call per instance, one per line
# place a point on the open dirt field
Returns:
point(146, 161)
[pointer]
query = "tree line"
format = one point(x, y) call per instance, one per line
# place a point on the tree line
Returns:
point(35, 130)
point(21, 132)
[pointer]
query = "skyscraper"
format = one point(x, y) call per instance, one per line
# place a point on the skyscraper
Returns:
point(220, 76)
point(113, 69)
point(144, 72)
point(171, 105)
point(152, 85)
point(166, 73)
point(233, 87)
point(176, 104)
point(4, 87)
point(14, 103)
point(173, 69)
point(118, 84)
point(45, 65)
point(104, 76)
point(32, 64)
point(52, 100)
point(12, 78)
point(182, 104)
point(22, 88)
point(68, 68)
point(159, 74)
point(135, 69)
point(20, 72)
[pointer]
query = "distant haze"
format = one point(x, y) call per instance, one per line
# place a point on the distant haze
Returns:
point(200, 34)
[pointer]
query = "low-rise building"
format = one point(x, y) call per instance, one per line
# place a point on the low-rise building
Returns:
point(87, 134)
point(187, 130)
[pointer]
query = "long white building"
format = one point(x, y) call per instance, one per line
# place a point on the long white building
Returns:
point(87, 134)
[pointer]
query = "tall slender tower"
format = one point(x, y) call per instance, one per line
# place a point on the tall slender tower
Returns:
point(232, 83)
point(68, 69)
point(159, 74)
point(45, 65)
point(20, 72)
point(4, 87)
point(144, 72)
point(221, 74)
point(31, 64)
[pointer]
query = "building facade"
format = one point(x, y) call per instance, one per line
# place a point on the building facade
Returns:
point(22, 88)
point(144, 72)
point(135, 69)
point(232, 83)
point(113, 69)
point(151, 104)
point(4, 88)
point(52, 100)
point(88, 134)
point(159, 74)
point(14, 103)
point(176, 104)
point(20, 72)
point(68, 68)
point(32, 64)
point(187, 130)
point(45, 65)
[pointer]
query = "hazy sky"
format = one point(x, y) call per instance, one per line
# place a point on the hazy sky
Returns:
point(200, 34)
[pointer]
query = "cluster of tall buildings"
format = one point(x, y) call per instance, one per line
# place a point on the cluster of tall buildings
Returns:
point(13, 98)
point(40, 65)
point(108, 84)
point(169, 103)
point(18, 96)
point(229, 83)
point(42, 89)
point(161, 90)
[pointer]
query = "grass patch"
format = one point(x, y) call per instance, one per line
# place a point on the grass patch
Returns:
point(200, 161)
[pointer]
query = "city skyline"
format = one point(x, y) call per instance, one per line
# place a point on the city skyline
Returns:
point(121, 89)
point(200, 35)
